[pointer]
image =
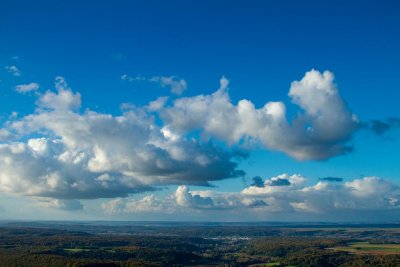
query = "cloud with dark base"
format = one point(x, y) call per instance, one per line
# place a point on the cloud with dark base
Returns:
point(59, 155)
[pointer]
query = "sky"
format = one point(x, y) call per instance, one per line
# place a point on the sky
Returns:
point(200, 110)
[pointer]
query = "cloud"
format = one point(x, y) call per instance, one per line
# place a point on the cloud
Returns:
point(63, 100)
point(321, 130)
point(207, 199)
point(60, 153)
point(126, 77)
point(369, 193)
point(338, 201)
point(182, 200)
point(60, 204)
point(331, 179)
point(147, 204)
point(26, 88)
point(13, 70)
point(278, 183)
point(186, 199)
point(257, 181)
point(380, 127)
point(5, 135)
point(157, 104)
point(176, 84)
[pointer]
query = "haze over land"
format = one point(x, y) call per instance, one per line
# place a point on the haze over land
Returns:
point(206, 111)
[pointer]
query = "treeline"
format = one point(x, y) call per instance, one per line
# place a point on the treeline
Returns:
point(314, 252)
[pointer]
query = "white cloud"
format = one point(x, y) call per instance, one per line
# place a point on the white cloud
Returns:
point(186, 199)
point(157, 104)
point(92, 155)
point(13, 70)
point(61, 154)
point(321, 131)
point(5, 135)
point(129, 205)
point(176, 84)
point(25, 88)
point(63, 100)
point(341, 199)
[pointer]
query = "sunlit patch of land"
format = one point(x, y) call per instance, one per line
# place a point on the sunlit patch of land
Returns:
point(368, 248)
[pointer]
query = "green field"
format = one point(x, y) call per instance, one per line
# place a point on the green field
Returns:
point(367, 248)
point(76, 249)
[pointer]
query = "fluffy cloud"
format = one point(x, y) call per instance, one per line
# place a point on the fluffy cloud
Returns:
point(129, 205)
point(63, 100)
point(91, 155)
point(60, 154)
point(176, 84)
point(322, 130)
point(294, 196)
point(13, 70)
point(368, 193)
point(4, 134)
point(157, 104)
point(186, 199)
point(26, 88)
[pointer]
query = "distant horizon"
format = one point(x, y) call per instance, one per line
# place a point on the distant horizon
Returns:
point(266, 223)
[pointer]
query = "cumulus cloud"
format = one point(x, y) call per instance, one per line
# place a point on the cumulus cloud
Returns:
point(321, 130)
point(293, 197)
point(187, 199)
point(183, 200)
point(130, 205)
point(176, 84)
point(26, 88)
point(5, 135)
point(60, 153)
point(63, 100)
point(13, 70)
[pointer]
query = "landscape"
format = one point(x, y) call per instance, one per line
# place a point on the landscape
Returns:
point(261, 133)
point(102, 243)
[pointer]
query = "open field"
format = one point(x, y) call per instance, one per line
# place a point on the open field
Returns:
point(367, 248)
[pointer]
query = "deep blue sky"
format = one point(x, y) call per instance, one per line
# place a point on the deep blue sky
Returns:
point(260, 46)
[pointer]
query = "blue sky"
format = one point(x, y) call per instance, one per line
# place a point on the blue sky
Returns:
point(80, 140)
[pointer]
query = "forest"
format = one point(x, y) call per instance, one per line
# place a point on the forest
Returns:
point(191, 244)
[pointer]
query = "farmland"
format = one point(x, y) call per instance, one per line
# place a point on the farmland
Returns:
point(189, 244)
